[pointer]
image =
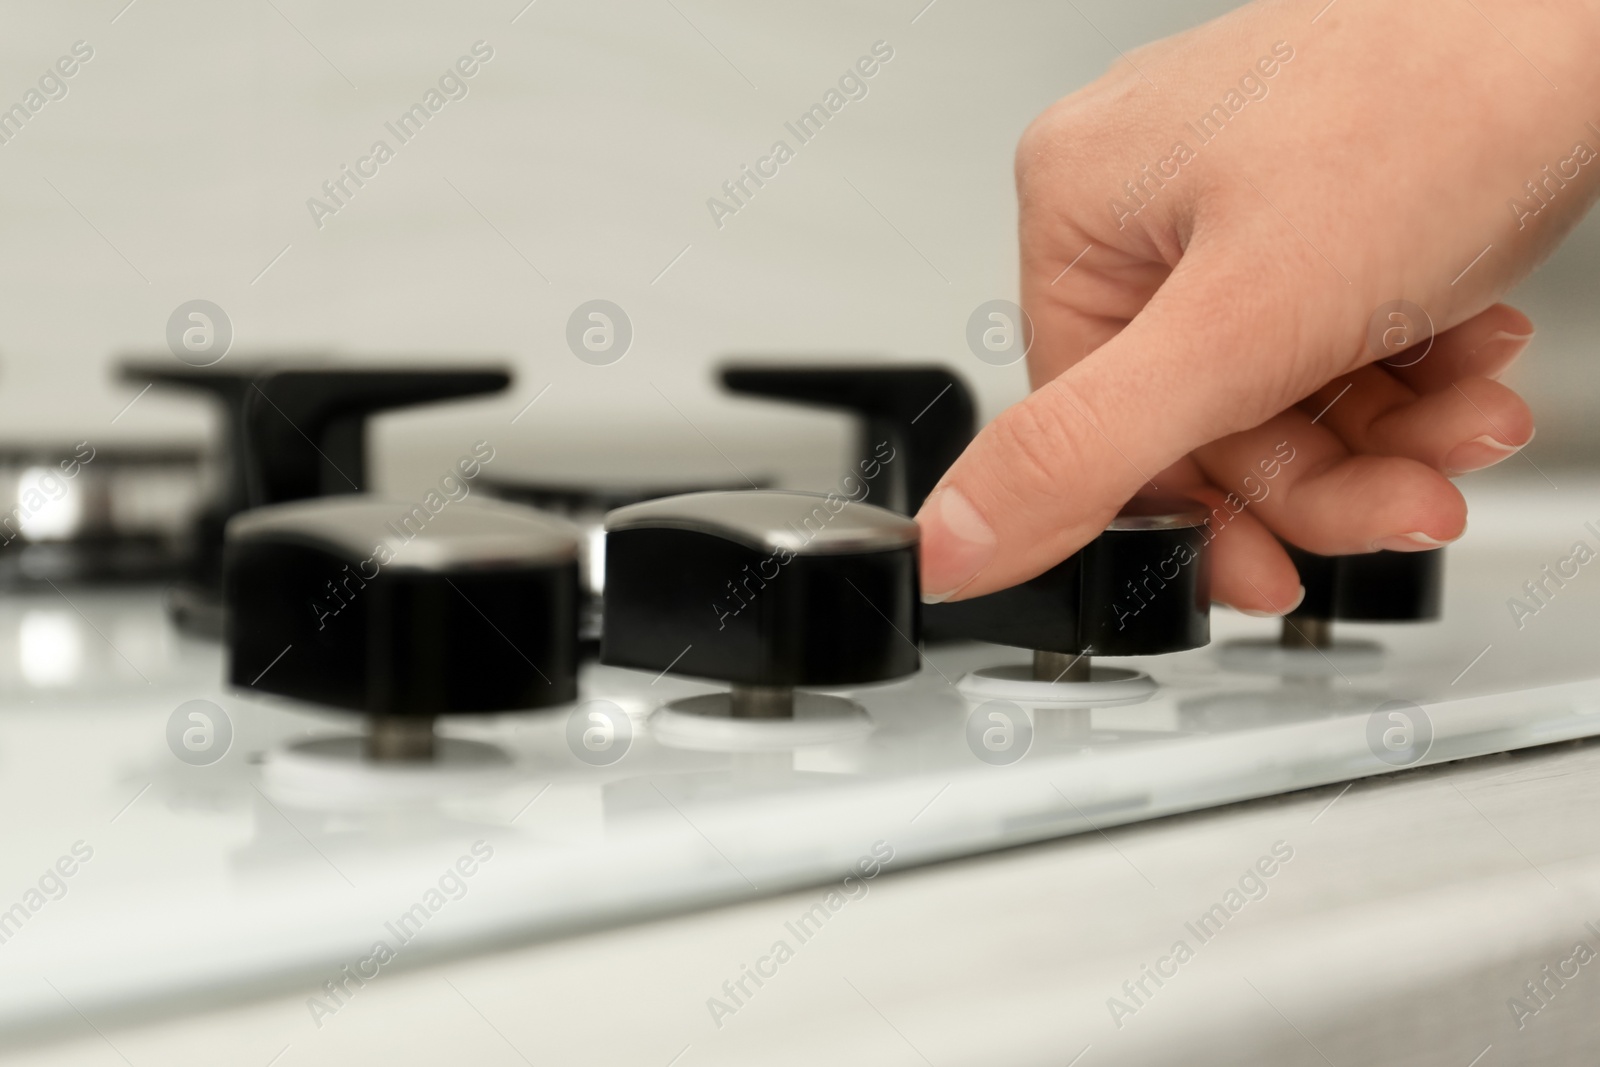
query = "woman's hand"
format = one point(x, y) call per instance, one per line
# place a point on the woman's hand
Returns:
point(1215, 237)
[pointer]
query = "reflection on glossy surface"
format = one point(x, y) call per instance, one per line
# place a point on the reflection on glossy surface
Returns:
point(50, 506)
point(1246, 709)
point(1267, 656)
point(50, 647)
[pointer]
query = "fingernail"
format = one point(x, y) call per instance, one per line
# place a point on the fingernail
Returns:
point(956, 544)
point(1499, 350)
point(1410, 542)
point(1298, 598)
point(1478, 453)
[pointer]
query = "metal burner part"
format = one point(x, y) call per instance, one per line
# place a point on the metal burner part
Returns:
point(405, 739)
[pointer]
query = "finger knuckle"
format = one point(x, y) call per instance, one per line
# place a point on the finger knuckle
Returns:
point(1042, 442)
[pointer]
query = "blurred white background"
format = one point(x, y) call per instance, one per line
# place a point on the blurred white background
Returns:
point(578, 166)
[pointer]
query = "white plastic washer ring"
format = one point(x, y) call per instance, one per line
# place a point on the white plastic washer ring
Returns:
point(1107, 687)
point(335, 770)
point(1264, 656)
point(703, 722)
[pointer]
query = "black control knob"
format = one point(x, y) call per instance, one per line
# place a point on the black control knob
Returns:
point(307, 428)
point(1143, 587)
point(383, 608)
point(587, 504)
point(231, 389)
point(924, 413)
point(1369, 587)
point(763, 589)
point(290, 434)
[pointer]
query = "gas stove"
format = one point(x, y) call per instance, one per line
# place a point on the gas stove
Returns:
point(196, 817)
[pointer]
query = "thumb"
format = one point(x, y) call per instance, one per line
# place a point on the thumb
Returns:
point(1211, 354)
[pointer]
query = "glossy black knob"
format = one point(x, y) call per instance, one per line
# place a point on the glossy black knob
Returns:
point(587, 505)
point(382, 607)
point(1370, 587)
point(923, 415)
point(762, 588)
point(307, 428)
point(232, 390)
point(292, 434)
point(1143, 587)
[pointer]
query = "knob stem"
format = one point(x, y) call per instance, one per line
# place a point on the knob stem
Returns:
point(400, 739)
point(761, 702)
point(1306, 631)
point(1060, 666)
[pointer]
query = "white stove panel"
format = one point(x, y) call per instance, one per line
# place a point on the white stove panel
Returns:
point(138, 874)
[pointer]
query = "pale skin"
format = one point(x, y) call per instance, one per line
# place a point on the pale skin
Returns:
point(1207, 332)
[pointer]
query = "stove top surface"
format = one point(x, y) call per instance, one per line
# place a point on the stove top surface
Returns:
point(155, 855)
